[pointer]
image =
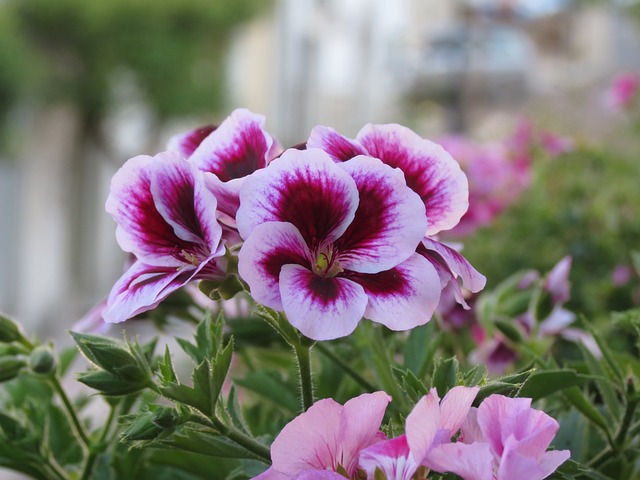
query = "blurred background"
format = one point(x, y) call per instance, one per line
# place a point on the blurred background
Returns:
point(531, 87)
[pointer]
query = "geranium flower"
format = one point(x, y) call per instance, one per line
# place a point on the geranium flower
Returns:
point(231, 151)
point(330, 243)
point(327, 439)
point(623, 91)
point(166, 218)
point(430, 172)
point(430, 424)
point(503, 439)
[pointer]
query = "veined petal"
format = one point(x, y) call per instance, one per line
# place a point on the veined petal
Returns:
point(142, 288)
point(363, 416)
point(318, 475)
point(403, 297)
point(392, 457)
point(389, 222)
point(237, 148)
point(472, 280)
point(260, 260)
point(271, 474)
point(469, 461)
point(303, 187)
point(497, 417)
point(428, 168)
point(311, 440)
point(186, 143)
point(228, 197)
point(180, 195)
point(141, 229)
point(321, 308)
point(339, 148)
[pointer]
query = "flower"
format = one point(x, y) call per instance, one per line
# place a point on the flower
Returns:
point(231, 151)
point(166, 217)
point(623, 91)
point(327, 438)
point(429, 171)
point(430, 424)
point(330, 243)
point(503, 439)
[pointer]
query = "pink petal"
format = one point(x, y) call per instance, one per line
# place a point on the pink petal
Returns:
point(321, 308)
point(403, 297)
point(142, 229)
point(389, 222)
point(228, 197)
point(260, 260)
point(422, 425)
point(305, 188)
point(428, 168)
point(237, 148)
point(186, 143)
point(339, 148)
point(557, 321)
point(557, 281)
point(363, 416)
point(271, 474)
point(180, 196)
point(471, 462)
point(392, 457)
point(455, 406)
point(310, 441)
point(142, 288)
point(499, 416)
point(470, 430)
point(459, 267)
point(319, 475)
point(550, 461)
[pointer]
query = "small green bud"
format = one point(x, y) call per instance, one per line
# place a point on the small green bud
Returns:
point(108, 383)
point(141, 428)
point(230, 287)
point(10, 367)
point(43, 360)
point(166, 417)
point(9, 330)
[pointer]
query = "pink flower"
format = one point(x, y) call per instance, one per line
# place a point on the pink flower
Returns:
point(166, 218)
point(330, 243)
point(430, 424)
point(232, 151)
point(430, 172)
point(623, 90)
point(327, 438)
point(503, 439)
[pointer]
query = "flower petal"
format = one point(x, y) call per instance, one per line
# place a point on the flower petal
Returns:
point(237, 148)
point(186, 143)
point(260, 260)
point(180, 196)
point(303, 187)
point(311, 440)
point(422, 424)
point(459, 267)
point(141, 229)
point(389, 222)
point(142, 288)
point(339, 148)
point(455, 407)
point(321, 308)
point(318, 475)
point(469, 461)
point(392, 457)
point(403, 297)
point(428, 168)
point(363, 416)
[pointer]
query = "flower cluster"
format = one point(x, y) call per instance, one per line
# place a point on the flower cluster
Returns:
point(328, 232)
point(502, 439)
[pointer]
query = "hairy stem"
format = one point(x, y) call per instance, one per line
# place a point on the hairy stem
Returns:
point(71, 412)
point(303, 356)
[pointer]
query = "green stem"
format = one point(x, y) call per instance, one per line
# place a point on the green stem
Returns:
point(345, 367)
point(259, 450)
point(303, 356)
point(71, 412)
point(625, 423)
point(55, 469)
point(93, 451)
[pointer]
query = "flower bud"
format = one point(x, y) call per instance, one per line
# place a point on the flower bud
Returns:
point(9, 330)
point(166, 417)
point(42, 360)
point(10, 367)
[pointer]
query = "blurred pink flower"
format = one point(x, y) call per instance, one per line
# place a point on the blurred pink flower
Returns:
point(621, 275)
point(327, 438)
point(503, 439)
point(623, 90)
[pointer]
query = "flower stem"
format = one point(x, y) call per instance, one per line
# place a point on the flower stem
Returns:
point(303, 356)
point(71, 412)
point(93, 452)
point(345, 367)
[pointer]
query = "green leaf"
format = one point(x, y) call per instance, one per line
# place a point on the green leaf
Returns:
point(219, 370)
point(496, 387)
point(509, 330)
point(585, 406)
point(414, 388)
point(543, 383)
point(269, 385)
point(602, 381)
point(445, 375)
point(420, 348)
